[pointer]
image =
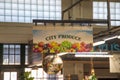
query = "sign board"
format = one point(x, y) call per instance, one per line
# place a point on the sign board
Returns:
point(63, 39)
point(115, 63)
point(60, 39)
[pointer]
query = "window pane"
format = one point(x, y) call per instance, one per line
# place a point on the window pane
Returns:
point(118, 17)
point(34, 1)
point(58, 8)
point(21, 13)
point(58, 14)
point(21, 19)
point(27, 13)
point(40, 2)
point(34, 7)
point(2, 18)
point(52, 2)
point(26, 59)
point(11, 59)
point(27, 7)
point(14, 12)
point(11, 49)
point(7, 12)
point(52, 8)
point(27, 1)
point(34, 13)
point(5, 49)
point(2, 5)
point(8, 18)
point(17, 49)
point(7, 0)
point(40, 14)
point(20, 1)
point(27, 19)
point(52, 14)
point(8, 5)
point(14, 1)
point(13, 75)
point(21, 6)
point(58, 2)
point(17, 59)
point(14, 19)
point(5, 59)
point(14, 6)
point(40, 8)
point(46, 2)
point(46, 8)
point(6, 75)
point(46, 14)
point(112, 5)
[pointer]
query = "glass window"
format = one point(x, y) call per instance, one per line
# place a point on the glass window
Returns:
point(21, 19)
point(26, 54)
point(14, 1)
point(58, 14)
point(2, 5)
point(17, 59)
point(14, 12)
point(27, 7)
point(15, 6)
point(8, 6)
point(100, 11)
point(46, 14)
point(52, 8)
point(2, 12)
point(34, 1)
point(58, 2)
point(21, 6)
point(34, 7)
point(40, 14)
point(20, 1)
point(27, 19)
point(7, 74)
point(14, 19)
point(27, 1)
point(40, 2)
point(11, 54)
point(7, 0)
point(27, 13)
point(46, 2)
point(11, 59)
point(52, 2)
point(58, 8)
point(40, 8)
point(46, 8)
point(10, 76)
point(8, 18)
point(21, 13)
point(2, 0)
point(34, 13)
point(52, 14)
point(2, 18)
point(5, 59)
point(7, 12)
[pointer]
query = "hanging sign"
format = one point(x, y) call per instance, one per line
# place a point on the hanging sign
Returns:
point(115, 63)
point(63, 39)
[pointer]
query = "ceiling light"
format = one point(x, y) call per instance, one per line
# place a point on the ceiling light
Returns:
point(93, 54)
point(60, 54)
point(110, 38)
point(98, 43)
point(119, 37)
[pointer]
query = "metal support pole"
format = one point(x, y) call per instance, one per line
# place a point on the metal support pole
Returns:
point(108, 14)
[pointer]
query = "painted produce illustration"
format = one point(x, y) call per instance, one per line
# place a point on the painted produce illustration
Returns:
point(65, 46)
